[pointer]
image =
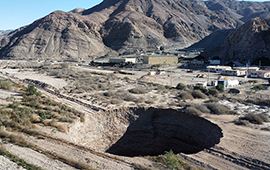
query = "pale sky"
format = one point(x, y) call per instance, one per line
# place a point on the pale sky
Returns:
point(17, 13)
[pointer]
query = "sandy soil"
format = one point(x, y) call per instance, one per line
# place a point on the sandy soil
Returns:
point(240, 148)
point(6, 164)
point(36, 158)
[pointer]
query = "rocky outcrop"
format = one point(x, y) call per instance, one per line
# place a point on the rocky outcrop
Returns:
point(248, 43)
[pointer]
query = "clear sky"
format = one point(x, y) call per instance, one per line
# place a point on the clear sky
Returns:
point(17, 13)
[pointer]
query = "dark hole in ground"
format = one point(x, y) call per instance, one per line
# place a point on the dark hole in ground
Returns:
point(158, 130)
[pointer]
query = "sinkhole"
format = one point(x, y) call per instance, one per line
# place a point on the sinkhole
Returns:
point(153, 131)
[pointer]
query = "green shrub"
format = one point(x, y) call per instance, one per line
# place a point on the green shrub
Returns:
point(220, 87)
point(198, 94)
point(181, 86)
point(258, 87)
point(213, 92)
point(171, 160)
point(253, 81)
point(31, 90)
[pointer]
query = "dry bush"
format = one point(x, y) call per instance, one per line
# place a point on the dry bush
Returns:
point(198, 94)
point(65, 119)
point(139, 90)
point(218, 109)
point(213, 92)
point(115, 101)
point(61, 127)
point(241, 122)
point(212, 100)
point(150, 101)
point(202, 108)
point(181, 86)
point(4, 133)
point(255, 118)
point(185, 96)
point(193, 111)
point(109, 93)
point(266, 129)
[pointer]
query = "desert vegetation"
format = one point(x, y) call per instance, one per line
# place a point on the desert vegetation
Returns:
point(33, 108)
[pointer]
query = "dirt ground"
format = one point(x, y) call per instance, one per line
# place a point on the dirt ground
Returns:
point(242, 147)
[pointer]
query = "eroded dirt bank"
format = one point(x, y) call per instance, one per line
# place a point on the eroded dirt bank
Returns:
point(152, 131)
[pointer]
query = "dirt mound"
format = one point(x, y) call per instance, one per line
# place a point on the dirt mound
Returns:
point(140, 131)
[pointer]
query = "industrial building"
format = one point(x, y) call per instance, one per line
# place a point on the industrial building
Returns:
point(123, 60)
point(160, 59)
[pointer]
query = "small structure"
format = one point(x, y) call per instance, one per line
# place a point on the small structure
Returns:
point(151, 73)
point(234, 72)
point(123, 60)
point(260, 73)
point(160, 59)
point(215, 61)
point(218, 69)
point(198, 61)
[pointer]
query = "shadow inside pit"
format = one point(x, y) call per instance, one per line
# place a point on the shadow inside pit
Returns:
point(159, 130)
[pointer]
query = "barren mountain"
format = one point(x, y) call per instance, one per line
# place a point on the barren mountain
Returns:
point(119, 26)
point(248, 43)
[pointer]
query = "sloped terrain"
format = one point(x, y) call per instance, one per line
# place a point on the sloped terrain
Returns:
point(122, 26)
point(248, 43)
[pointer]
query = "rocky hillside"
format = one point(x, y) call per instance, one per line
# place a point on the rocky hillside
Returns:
point(248, 43)
point(119, 26)
point(2, 32)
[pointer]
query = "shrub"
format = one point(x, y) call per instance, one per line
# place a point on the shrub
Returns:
point(258, 87)
point(201, 88)
point(220, 87)
point(213, 92)
point(138, 90)
point(31, 90)
point(168, 87)
point(212, 99)
point(202, 108)
point(253, 81)
point(255, 118)
point(171, 160)
point(241, 122)
point(218, 109)
point(193, 111)
point(185, 96)
point(198, 94)
point(181, 86)
point(109, 93)
point(6, 85)
point(115, 101)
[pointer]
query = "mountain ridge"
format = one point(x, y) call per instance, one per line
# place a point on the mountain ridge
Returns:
point(119, 26)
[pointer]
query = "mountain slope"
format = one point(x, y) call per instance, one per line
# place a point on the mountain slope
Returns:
point(119, 26)
point(247, 43)
point(58, 35)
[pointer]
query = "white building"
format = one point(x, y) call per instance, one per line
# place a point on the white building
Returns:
point(123, 60)
point(218, 69)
